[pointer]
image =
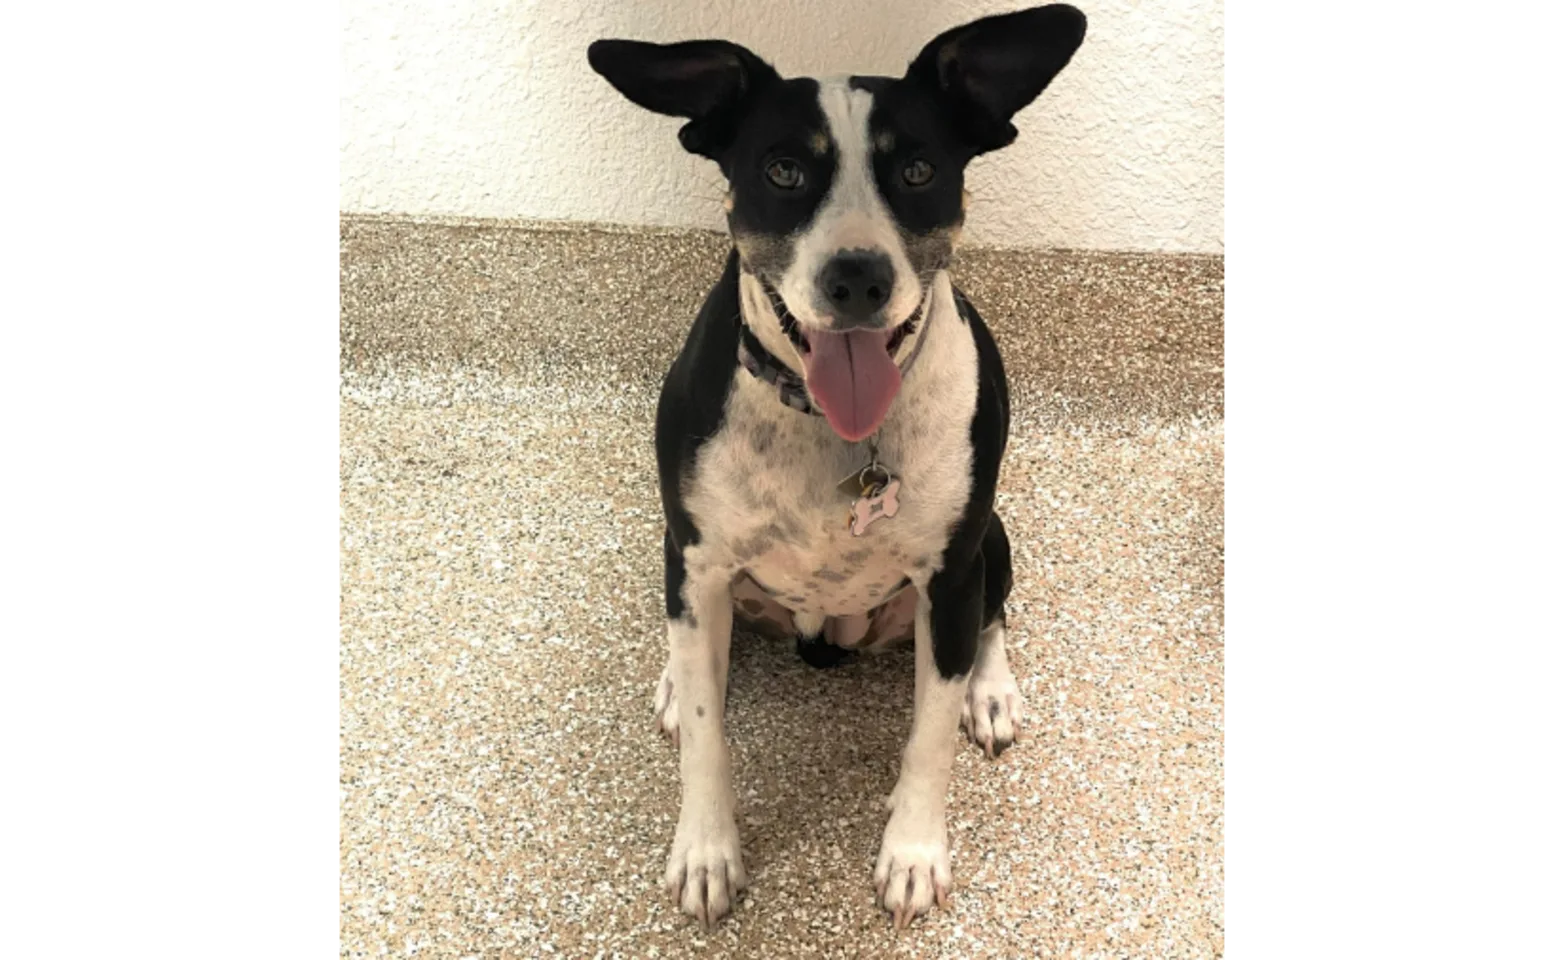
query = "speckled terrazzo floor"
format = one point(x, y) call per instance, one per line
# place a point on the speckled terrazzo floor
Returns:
point(503, 791)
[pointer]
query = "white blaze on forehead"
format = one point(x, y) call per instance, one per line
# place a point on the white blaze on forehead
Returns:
point(854, 206)
point(853, 215)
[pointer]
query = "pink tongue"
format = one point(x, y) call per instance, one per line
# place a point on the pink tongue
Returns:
point(853, 379)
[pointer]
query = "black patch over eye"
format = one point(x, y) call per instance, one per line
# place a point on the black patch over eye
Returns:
point(786, 174)
point(918, 173)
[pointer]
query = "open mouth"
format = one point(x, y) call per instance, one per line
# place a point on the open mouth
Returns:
point(796, 335)
point(850, 374)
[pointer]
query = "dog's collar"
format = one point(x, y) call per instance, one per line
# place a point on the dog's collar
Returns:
point(763, 364)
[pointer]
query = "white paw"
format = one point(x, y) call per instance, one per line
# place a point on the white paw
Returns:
point(913, 871)
point(706, 869)
point(665, 705)
point(991, 714)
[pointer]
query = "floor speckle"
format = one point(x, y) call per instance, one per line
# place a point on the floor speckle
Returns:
point(504, 790)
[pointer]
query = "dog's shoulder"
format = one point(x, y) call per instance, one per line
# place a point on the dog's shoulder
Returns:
point(992, 418)
point(989, 432)
point(691, 405)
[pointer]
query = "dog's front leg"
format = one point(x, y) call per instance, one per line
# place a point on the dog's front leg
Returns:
point(913, 870)
point(705, 870)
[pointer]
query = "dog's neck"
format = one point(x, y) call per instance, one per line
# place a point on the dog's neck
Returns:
point(761, 319)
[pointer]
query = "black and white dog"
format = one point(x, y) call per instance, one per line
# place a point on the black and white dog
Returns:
point(829, 439)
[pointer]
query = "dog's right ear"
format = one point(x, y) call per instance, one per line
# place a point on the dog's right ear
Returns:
point(705, 81)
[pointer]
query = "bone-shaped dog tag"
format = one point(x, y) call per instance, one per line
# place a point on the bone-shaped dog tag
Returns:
point(874, 505)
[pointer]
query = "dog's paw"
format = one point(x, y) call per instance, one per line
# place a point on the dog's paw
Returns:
point(706, 868)
point(991, 714)
point(913, 870)
point(665, 706)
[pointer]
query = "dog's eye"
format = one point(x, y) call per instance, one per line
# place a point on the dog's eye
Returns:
point(917, 173)
point(786, 174)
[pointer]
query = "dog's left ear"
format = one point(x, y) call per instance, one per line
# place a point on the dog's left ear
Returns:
point(986, 71)
point(705, 81)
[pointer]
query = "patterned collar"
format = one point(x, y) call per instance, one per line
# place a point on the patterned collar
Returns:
point(760, 362)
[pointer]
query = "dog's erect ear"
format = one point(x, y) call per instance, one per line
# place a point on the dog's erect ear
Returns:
point(989, 69)
point(703, 80)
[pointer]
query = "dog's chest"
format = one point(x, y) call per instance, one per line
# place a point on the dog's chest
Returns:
point(766, 495)
point(795, 538)
point(785, 521)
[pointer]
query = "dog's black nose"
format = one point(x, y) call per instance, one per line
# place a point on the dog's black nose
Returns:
point(857, 284)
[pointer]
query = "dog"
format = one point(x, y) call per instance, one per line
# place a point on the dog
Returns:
point(829, 438)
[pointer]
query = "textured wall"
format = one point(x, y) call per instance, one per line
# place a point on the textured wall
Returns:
point(489, 110)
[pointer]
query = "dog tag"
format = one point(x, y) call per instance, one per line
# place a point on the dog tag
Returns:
point(874, 492)
point(870, 507)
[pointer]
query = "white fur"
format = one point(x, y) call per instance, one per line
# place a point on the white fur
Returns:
point(784, 500)
point(765, 324)
point(852, 216)
point(705, 868)
point(992, 712)
point(913, 868)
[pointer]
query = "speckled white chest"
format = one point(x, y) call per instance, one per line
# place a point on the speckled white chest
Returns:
point(764, 494)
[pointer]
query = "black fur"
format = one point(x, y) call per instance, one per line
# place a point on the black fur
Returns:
point(745, 117)
point(689, 411)
point(713, 83)
point(917, 127)
point(821, 655)
point(996, 564)
point(787, 118)
point(983, 72)
point(673, 576)
point(959, 592)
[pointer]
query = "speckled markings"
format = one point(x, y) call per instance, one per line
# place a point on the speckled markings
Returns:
point(503, 790)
